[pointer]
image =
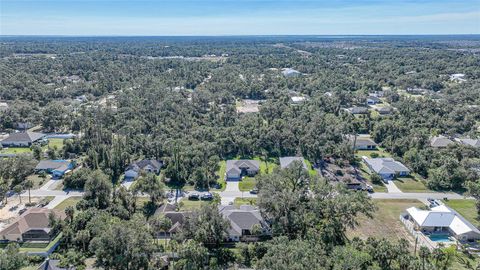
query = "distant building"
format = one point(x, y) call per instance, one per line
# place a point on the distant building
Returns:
point(242, 221)
point(458, 77)
point(298, 99)
point(372, 100)
point(362, 142)
point(440, 142)
point(236, 169)
point(33, 225)
point(357, 110)
point(290, 72)
point(3, 106)
point(22, 139)
point(387, 168)
point(286, 162)
point(470, 142)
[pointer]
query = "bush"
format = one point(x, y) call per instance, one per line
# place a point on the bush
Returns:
point(376, 179)
point(77, 179)
point(374, 155)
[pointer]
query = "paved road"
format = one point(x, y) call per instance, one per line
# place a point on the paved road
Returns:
point(420, 196)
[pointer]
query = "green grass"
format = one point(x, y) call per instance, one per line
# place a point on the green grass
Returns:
point(380, 151)
point(15, 150)
point(37, 180)
point(247, 184)
point(365, 174)
point(385, 222)
point(52, 143)
point(72, 201)
point(311, 171)
point(188, 205)
point(411, 184)
point(245, 201)
point(222, 167)
point(466, 208)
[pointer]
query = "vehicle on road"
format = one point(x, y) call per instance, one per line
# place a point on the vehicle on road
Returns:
point(206, 196)
point(193, 196)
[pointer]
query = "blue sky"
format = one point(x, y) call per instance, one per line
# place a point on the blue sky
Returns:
point(238, 17)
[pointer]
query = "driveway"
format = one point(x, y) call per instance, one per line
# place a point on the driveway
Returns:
point(391, 187)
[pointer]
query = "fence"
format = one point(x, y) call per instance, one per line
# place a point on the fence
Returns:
point(421, 239)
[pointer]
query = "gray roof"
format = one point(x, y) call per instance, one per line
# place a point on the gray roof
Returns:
point(358, 110)
point(362, 141)
point(386, 165)
point(27, 137)
point(285, 162)
point(141, 164)
point(241, 219)
point(440, 141)
point(52, 165)
point(471, 142)
point(237, 165)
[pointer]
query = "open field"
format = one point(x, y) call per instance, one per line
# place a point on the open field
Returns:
point(385, 222)
point(467, 209)
point(58, 143)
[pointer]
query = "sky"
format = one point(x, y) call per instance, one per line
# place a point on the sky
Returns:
point(238, 17)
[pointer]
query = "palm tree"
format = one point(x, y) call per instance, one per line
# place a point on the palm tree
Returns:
point(28, 185)
point(18, 189)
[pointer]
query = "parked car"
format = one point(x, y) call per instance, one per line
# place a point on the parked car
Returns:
point(193, 196)
point(22, 211)
point(207, 196)
point(254, 191)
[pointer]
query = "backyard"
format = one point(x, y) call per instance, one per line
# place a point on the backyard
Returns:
point(466, 208)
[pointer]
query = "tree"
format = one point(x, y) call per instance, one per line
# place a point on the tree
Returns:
point(151, 185)
point(98, 190)
point(192, 255)
point(474, 191)
point(29, 185)
point(124, 245)
point(18, 189)
point(160, 224)
point(206, 226)
point(11, 258)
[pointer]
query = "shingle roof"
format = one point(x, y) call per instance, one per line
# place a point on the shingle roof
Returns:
point(52, 165)
point(285, 162)
point(141, 164)
point(236, 165)
point(362, 141)
point(27, 137)
point(33, 218)
point(440, 141)
point(241, 219)
point(386, 165)
point(471, 142)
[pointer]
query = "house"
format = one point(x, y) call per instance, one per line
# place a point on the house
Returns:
point(440, 142)
point(458, 77)
point(290, 72)
point(3, 106)
point(469, 142)
point(443, 220)
point(372, 100)
point(357, 110)
point(286, 162)
point(177, 219)
point(384, 110)
point(242, 221)
point(362, 142)
point(22, 139)
point(387, 168)
point(146, 165)
point(298, 99)
point(236, 169)
point(55, 167)
point(32, 225)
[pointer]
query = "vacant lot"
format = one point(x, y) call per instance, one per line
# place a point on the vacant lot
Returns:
point(72, 201)
point(385, 222)
point(466, 208)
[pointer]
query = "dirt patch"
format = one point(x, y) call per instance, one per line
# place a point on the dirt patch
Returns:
point(11, 210)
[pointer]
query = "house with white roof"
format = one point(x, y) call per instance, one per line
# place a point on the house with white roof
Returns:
point(387, 168)
point(443, 220)
point(469, 142)
point(290, 72)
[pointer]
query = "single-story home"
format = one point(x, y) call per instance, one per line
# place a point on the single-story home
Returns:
point(387, 168)
point(32, 225)
point(290, 72)
point(57, 168)
point(372, 100)
point(236, 169)
point(177, 219)
point(242, 220)
point(22, 139)
point(362, 142)
point(443, 220)
point(357, 110)
point(384, 110)
point(470, 142)
point(440, 142)
point(146, 165)
point(286, 162)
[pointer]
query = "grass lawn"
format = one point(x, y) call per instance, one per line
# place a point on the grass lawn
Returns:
point(311, 171)
point(411, 184)
point(385, 222)
point(247, 183)
point(188, 205)
point(221, 174)
point(379, 151)
point(37, 180)
point(466, 208)
point(243, 201)
point(72, 201)
point(15, 150)
point(52, 143)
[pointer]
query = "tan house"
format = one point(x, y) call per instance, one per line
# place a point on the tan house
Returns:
point(33, 225)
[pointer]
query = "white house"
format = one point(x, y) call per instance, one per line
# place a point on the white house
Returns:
point(442, 219)
point(387, 168)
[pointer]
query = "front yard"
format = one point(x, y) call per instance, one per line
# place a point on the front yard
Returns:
point(411, 184)
point(244, 201)
point(72, 201)
point(247, 183)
